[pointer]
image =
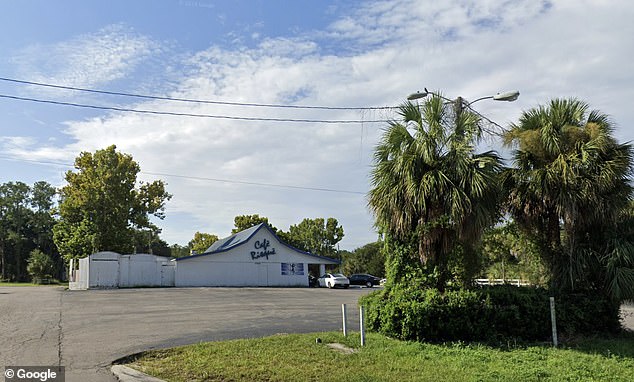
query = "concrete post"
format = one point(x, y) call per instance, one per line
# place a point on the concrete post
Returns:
point(362, 325)
point(553, 320)
point(345, 319)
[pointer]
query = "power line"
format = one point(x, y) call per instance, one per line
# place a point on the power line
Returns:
point(154, 112)
point(144, 96)
point(256, 183)
point(276, 185)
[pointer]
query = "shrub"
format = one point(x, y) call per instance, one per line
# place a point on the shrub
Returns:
point(40, 265)
point(490, 314)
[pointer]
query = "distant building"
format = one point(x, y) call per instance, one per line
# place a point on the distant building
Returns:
point(253, 257)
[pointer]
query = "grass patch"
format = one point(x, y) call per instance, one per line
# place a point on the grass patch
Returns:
point(20, 284)
point(297, 357)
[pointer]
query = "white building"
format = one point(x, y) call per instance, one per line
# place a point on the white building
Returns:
point(253, 257)
point(113, 270)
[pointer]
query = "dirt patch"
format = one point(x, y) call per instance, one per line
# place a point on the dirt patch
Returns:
point(341, 348)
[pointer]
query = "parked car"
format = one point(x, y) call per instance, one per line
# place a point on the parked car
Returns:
point(333, 280)
point(364, 279)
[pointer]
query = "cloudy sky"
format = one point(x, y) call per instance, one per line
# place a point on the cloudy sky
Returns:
point(330, 53)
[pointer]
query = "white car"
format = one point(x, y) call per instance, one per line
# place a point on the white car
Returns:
point(333, 280)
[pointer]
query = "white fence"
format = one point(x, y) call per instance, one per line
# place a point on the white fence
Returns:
point(516, 282)
point(112, 270)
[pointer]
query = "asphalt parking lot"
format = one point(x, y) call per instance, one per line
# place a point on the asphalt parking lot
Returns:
point(86, 331)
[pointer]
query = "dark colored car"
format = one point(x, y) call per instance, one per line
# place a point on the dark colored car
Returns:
point(364, 279)
point(313, 281)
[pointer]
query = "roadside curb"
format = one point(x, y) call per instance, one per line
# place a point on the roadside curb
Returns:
point(127, 374)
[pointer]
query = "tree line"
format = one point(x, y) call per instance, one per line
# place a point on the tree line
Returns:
point(26, 230)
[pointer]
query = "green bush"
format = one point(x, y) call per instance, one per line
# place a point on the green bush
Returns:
point(587, 312)
point(490, 314)
point(40, 265)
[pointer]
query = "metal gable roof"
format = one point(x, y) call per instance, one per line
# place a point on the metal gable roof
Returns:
point(242, 237)
point(233, 240)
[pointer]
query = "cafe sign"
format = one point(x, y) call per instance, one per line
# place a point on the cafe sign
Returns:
point(262, 249)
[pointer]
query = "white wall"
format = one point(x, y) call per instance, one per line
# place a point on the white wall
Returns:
point(103, 270)
point(140, 270)
point(112, 270)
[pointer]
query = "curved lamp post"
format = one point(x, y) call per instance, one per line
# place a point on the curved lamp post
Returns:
point(507, 96)
point(460, 103)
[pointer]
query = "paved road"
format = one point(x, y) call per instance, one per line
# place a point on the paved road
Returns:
point(87, 330)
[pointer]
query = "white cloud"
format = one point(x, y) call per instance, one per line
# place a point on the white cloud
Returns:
point(387, 49)
point(90, 60)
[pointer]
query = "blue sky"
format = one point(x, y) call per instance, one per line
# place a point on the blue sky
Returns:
point(326, 53)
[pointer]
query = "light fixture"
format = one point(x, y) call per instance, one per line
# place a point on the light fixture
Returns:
point(417, 95)
point(508, 96)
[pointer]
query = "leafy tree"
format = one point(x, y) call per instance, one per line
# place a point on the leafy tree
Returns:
point(177, 250)
point(568, 189)
point(428, 181)
point(40, 265)
point(15, 214)
point(318, 236)
point(101, 206)
point(202, 241)
point(149, 241)
point(243, 222)
point(25, 224)
point(366, 259)
point(509, 253)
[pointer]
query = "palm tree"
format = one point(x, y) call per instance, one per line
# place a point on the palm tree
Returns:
point(569, 176)
point(428, 181)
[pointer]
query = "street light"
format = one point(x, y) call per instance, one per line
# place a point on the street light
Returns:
point(506, 96)
point(459, 103)
point(417, 95)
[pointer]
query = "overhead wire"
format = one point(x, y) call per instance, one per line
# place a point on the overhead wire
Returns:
point(179, 114)
point(230, 181)
point(190, 100)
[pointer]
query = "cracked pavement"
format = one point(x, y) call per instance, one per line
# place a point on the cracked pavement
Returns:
point(86, 331)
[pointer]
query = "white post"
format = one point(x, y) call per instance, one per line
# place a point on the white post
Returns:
point(343, 313)
point(361, 326)
point(553, 320)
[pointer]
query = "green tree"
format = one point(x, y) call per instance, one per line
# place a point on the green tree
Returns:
point(101, 206)
point(15, 213)
point(149, 241)
point(40, 265)
point(177, 250)
point(569, 187)
point(318, 236)
point(25, 223)
point(366, 259)
point(202, 241)
point(243, 222)
point(508, 253)
point(428, 181)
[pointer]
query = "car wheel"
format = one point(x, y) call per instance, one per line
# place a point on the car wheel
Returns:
point(368, 284)
point(346, 286)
